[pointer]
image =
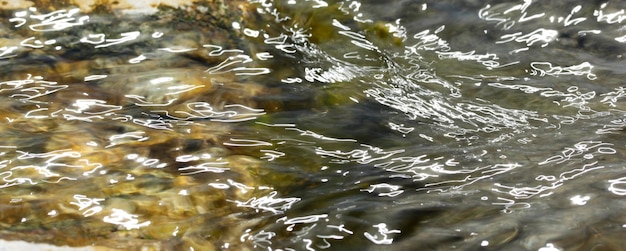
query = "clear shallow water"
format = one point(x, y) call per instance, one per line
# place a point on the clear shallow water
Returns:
point(316, 125)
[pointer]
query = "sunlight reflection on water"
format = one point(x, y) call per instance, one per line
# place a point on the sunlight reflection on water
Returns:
point(284, 125)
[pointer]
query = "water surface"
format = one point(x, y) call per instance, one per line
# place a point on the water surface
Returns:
point(314, 125)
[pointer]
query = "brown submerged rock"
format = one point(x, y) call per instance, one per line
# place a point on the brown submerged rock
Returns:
point(118, 145)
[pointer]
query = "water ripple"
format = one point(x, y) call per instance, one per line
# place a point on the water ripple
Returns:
point(314, 125)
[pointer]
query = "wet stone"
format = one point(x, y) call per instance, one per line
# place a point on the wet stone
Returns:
point(114, 122)
point(312, 125)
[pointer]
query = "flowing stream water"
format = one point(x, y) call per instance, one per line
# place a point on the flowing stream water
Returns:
point(313, 125)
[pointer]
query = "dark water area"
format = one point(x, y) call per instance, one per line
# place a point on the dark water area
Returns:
point(313, 125)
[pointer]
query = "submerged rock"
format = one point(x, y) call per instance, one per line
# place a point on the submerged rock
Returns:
point(132, 125)
point(116, 135)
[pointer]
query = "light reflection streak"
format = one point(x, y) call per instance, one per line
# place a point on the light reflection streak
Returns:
point(227, 66)
point(89, 206)
point(525, 192)
point(181, 89)
point(271, 155)
point(382, 236)
point(186, 158)
point(208, 167)
point(5, 52)
point(70, 117)
point(291, 80)
point(93, 106)
point(366, 156)
point(483, 173)
point(302, 219)
point(387, 189)
point(251, 32)
point(242, 187)
point(616, 186)
point(247, 71)
point(19, 19)
point(30, 115)
point(319, 3)
point(318, 136)
point(93, 38)
point(489, 60)
point(14, 181)
point(332, 236)
point(522, 8)
point(261, 239)
point(154, 124)
point(427, 41)
point(59, 180)
point(143, 102)
point(529, 192)
point(255, 112)
point(340, 228)
point(359, 40)
point(550, 247)
point(154, 163)
point(31, 88)
point(246, 142)
point(615, 127)
point(125, 219)
point(94, 77)
point(219, 185)
point(610, 18)
point(333, 75)
point(611, 98)
point(264, 56)
point(90, 167)
point(54, 21)
point(567, 21)
point(280, 43)
point(492, 14)
point(308, 243)
point(36, 44)
point(580, 200)
point(576, 172)
point(523, 88)
point(486, 14)
point(100, 40)
point(179, 50)
point(269, 203)
point(580, 148)
point(444, 113)
point(326, 243)
point(546, 68)
point(56, 154)
point(49, 167)
point(541, 35)
point(203, 110)
point(137, 59)
point(219, 50)
point(510, 204)
point(275, 125)
point(117, 139)
point(43, 170)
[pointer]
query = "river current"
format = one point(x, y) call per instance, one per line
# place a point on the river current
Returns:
point(313, 125)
